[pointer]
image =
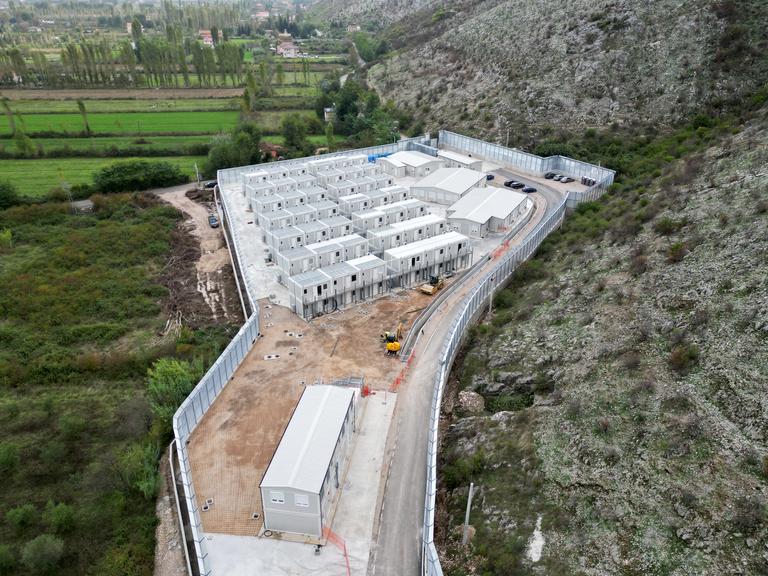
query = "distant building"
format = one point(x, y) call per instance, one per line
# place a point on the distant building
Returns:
point(490, 209)
point(447, 185)
point(415, 164)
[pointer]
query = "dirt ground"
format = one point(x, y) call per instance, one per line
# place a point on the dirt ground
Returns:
point(131, 93)
point(169, 554)
point(199, 268)
point(231, 447)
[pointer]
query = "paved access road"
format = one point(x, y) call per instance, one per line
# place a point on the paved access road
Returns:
point(397, 550)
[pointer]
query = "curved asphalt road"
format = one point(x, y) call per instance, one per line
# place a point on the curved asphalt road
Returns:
point(396, 550)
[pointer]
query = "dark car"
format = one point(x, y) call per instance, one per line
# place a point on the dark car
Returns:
point(529, 189)
point(213, 221)
point(549, 175)
point(489, 176)
point(210, 185)
point(517, 185)
point(509, 183)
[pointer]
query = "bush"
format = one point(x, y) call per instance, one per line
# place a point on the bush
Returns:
point(138, 469)
point(42, 554)
point(136, 175)
point(169, 382)
point(9, 458)
point(667, 226)
point(7, 559)
point(60, 518)
point(684, 357)
point(749, 515)
point(676, 252)
point(9, 196)
point(21, 517)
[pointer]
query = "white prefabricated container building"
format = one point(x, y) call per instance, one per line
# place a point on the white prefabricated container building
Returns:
point(354, 203)
point(307, 468)
point(340, 188)
point(455, 160)
point(404, 232)
point(447, 185)
point(436, 256)
point(369, 219)
point(325, 209)
point(491, 209)
point(256, 189)
point(404, 210)
point(388, 195)
point(277, 219)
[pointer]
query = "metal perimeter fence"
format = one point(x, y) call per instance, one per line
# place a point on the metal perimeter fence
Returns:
point(477, 301)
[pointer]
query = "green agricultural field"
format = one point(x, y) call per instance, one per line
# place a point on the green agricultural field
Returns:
point(102, 143)
point(269, 120)
point(125, 105)
point(126, 123)
point(34, 178)
point(316, 139)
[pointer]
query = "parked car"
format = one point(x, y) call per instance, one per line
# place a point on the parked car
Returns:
point(489, 176)
point(211, 185)
point(549, 175)
point(557, 177)
point(213, 221)
point(509, 183)
point(529, 189)
point(566, 179)
point(517, 185)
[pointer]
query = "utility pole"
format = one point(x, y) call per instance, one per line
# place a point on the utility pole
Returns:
point(465, 533)
point(506, 144)
point(490, 297)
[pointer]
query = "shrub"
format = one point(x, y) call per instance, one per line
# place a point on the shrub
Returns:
point(7, 559)
point(612, 455)
point(462, 470)
point(684, 357)
point(21, 517)
point(42, 554)
point(137, 175)
point(9, 196)
point(603, 425)
point(676, 252)
point(509, 402)
point(9, 458)
point(169, 382)
point(748, 515)
point(138, 469)
point(60, 518)
point(667, 226)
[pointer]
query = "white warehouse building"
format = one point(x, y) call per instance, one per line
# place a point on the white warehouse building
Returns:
point(408, 163)
point(455, 160)
point(485, 210)
point(307, 469)
point(447, 185)
point(436, 256)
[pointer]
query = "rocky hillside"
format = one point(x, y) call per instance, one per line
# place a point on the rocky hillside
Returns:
point(614, 411)
point(488, 65)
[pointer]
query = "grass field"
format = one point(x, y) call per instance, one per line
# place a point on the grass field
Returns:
point(125, 105)
point(127, 123)
point(106, 142)
point(34, 178)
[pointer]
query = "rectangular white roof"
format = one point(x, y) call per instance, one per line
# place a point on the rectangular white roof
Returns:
point(416, 248)
point(455, 180)
point(406, 225)
point(366, 262)
point(304, 454)
point(456, 157)
point(389, 160)
point(411, 158)
point(334, 241)
point(313, 226)
point(285, 232)
point(368, 213)
point(480, 204)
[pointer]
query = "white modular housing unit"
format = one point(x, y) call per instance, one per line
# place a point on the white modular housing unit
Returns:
point(340, 188)
point(404, 232)
point(307, 468)
point(388, 195)
point(320, 254)
point(455, 160)
point(369, 219)
point(255, 177)
point(416, 262)
point(410, 163)
point(297, 171)
point(320, 165)
point(285, 185)
point(447, 185)
point(296, 260)
point(353, 172)
point(404, 210)
point(316, 231)
point(332, 287)
point(275, 220)
point(281, 239)
point(315, 194)
point(351, 160)
point(293, 198)
point(330, 176)
point(338, 226)
point(490, 209)
point(382, 180)
point(304, 180)
point(354, 203)
point(372, 169)
point(325, 209)
point(302, 214)
point(271, 203)
point(257, 189)
point(364, 184)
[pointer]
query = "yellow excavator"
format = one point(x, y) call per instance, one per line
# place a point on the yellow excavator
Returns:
point(392, 339)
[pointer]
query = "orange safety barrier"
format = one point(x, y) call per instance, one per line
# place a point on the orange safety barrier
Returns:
point(337, 541)
point(401, 376)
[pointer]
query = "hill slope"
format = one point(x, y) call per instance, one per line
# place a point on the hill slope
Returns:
point(486, 65)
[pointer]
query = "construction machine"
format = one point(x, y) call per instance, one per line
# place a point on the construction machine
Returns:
point(392, 339)
point(433, 286)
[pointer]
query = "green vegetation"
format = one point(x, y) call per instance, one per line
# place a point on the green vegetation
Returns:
point(137, 175)
point(35, 178)
point(9, 195)
point(240, 148)
point(82, 323)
